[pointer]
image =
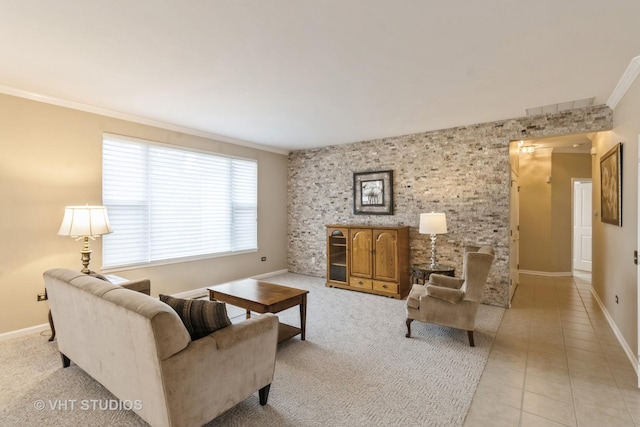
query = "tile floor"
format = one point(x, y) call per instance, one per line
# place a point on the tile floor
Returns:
point(556, 362)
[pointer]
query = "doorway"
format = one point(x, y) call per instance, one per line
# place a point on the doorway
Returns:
point(582, 226)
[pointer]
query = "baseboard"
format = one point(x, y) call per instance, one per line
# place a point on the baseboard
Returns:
point(193, 293)
point(273, 273)
point(23, 332)
point(630, 354)
point(200, 292)
point(547, 273)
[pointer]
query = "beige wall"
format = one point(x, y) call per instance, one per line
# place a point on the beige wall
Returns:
point(564, 168)
point(614, 272)
point(535, 211)
point(546, 208)
point(51, 157)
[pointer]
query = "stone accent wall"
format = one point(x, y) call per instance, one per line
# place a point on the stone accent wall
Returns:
point(462, 171)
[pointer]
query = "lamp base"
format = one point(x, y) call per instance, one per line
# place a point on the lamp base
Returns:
point(433, 265)
point(86, 256)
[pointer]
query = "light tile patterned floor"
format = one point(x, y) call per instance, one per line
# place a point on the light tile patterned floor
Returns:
point(556, 362)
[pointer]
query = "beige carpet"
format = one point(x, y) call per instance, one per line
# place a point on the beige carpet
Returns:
point(356, 368)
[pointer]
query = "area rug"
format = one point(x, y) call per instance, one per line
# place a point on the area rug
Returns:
point(356, 368)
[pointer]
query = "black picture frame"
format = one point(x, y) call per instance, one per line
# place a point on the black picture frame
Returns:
point(611, 186)
point(373, 193)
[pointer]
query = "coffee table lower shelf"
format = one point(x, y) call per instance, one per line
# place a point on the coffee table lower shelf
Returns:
point(286, 332)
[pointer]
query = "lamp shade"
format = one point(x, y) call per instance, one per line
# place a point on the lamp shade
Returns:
point(433, 223)
point(85, 221)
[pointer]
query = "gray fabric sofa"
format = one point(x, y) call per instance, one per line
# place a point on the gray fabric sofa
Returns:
point(139, 349)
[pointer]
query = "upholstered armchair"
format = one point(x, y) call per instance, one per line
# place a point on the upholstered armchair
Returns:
point(451, 301)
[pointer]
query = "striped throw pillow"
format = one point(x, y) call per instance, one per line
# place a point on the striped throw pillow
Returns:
point(200, 317)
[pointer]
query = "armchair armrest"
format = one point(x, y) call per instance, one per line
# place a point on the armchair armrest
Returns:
point(445, 281)
point(138, 285)
point(447, 294)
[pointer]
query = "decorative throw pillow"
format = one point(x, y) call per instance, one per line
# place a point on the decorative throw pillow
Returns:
point(200, 317)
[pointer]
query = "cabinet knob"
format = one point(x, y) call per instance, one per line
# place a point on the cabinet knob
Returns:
point(385, 286)
point(360, 282)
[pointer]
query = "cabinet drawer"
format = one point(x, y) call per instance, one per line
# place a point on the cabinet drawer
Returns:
point(385, 287)
point(358, 282)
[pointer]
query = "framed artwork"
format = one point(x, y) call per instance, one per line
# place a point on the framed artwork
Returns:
point(373, 193)
point(611, 186)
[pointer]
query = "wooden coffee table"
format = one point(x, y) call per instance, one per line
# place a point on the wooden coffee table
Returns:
point(263, 297)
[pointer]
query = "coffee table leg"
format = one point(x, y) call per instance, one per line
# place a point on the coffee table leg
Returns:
point(248, 314)
point(303, 316)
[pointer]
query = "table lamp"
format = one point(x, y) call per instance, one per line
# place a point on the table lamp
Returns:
point(433, 223)
point(85, 222)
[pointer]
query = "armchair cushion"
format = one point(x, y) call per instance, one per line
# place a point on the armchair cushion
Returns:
point(200, 317)
point(447, 294)
point(445, 281)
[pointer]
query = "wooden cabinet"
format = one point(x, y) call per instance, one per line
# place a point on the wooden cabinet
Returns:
point(375, 259)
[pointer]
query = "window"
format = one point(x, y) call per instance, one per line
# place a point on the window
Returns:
point(170, 203)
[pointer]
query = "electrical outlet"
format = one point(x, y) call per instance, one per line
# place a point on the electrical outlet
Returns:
point(313, 260)
point(264, 258)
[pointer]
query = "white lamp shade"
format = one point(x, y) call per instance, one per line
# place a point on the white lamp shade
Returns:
point(81, 221)
point(433, 223)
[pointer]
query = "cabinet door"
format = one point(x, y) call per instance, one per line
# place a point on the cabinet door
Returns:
point(337, 255)
point(385, 260)
point(361, 253)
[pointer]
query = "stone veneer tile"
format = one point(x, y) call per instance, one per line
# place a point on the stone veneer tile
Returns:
point(462, 171)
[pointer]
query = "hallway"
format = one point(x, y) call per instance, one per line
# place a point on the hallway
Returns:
point(556, 362)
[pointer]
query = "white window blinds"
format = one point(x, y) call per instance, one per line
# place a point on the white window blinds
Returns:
point(167, 203)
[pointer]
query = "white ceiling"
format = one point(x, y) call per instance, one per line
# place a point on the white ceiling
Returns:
point(294, 74)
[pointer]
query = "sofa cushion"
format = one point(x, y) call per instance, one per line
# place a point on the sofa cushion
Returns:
point(200, 317)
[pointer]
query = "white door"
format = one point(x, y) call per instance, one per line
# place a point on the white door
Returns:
point(514, 230)
point(582, 208)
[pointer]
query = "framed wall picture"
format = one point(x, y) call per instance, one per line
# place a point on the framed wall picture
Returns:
point(611, 186)
point(373, 193)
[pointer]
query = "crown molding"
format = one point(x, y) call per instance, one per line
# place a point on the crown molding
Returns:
point(627, 79)
point(34, 96)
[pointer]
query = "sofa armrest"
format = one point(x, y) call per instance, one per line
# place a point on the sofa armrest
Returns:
point(233, 334)
point(204, 380)
point(445, 281)
point(447, 294)
point(139, 285)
